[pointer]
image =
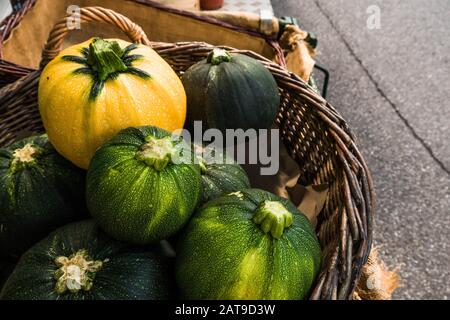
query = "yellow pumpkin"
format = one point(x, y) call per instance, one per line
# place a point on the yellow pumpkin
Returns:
point(92, 90)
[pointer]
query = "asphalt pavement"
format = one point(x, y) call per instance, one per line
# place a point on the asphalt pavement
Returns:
point(391, 82)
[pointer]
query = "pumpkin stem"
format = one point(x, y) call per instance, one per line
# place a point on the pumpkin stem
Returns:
point(217, 56)
point(156, 152)
point(274, 217)
point(76, 272)
point(105, 57)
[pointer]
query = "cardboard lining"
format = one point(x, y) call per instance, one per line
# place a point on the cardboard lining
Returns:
point(26, 42)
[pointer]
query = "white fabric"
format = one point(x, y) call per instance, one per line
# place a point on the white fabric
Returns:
point(252, 6)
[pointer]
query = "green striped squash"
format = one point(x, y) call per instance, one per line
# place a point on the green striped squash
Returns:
point(248, 244)
point(39, 192)
point(143, 185)
point(80, 262)
point(230, 91)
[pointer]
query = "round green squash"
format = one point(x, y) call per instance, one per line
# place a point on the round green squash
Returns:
point(143, 185)
point(247, 245)
point(221, 175)
point(80, 262)
point(230, 91)
point(39, 192)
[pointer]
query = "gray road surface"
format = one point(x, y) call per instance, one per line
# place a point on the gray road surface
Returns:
point(393, 86)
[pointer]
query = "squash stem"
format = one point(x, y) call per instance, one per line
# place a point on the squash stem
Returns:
point(76, 272)
point(217, 56)
point(157, 153)
point(24, 156)
point(273, 217)
point(202, 164)
point(105, 57)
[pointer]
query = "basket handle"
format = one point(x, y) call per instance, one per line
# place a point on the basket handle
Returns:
point(90, 14)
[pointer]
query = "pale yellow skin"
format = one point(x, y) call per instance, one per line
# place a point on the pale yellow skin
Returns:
point(77, 127)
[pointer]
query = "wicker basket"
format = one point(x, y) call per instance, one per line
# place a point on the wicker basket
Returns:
point(314, 133)
point(9, 71)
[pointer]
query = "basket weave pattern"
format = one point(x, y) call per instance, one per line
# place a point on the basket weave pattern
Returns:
point(316, 136)
point(10, 72)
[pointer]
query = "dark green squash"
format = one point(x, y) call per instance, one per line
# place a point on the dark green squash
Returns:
point(80, 262)
point(143, 185)
point(39, 191)
point(249, 244)
point(221, 175)
point(230, 91)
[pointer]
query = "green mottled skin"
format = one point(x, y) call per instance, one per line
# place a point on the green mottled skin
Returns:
point(241, 93)
point(223, 254)
point(222, 178)
point(37, 197)
point(128, 273)
point(133, 201)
